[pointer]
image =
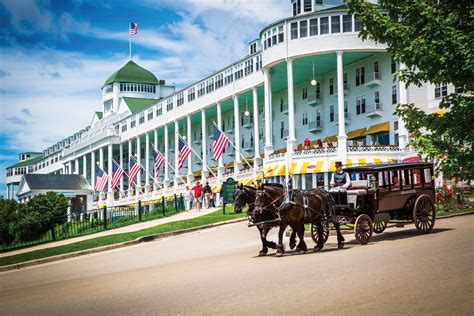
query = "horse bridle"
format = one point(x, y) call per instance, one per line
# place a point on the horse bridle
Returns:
point(260, 192)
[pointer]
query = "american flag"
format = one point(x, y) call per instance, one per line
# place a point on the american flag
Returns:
point(183, 152)
point(219, 143)
point(158, 161)
point(133, 170)
point(117, 173)
point(133, 28)
point(101, 179)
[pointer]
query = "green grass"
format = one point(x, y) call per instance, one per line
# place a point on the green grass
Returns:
point(456, 211)
point(211, 218)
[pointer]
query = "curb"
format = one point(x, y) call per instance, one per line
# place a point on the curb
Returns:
point(17, 266)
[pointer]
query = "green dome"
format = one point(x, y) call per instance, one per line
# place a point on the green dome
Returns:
point(133, 73)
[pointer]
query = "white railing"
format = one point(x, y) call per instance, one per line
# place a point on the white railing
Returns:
point(313, 125)
point(387, 148)
point(315, 151)
point(374, 108)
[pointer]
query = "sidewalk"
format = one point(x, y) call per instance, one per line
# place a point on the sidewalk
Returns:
point(126, 229)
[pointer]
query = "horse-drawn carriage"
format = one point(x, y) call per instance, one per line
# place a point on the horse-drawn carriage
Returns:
point(380, 193)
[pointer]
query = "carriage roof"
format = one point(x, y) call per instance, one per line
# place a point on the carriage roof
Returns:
point(389, 166)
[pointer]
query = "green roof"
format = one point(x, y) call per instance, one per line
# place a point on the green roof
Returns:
point(133, 73)
point(136, 104)
point(28, 162)
point(99, 115)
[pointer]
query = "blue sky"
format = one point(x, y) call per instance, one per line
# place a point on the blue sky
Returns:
point(55, 56)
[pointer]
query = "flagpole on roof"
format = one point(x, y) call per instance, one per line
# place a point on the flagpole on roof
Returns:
point(248, 163)
point(199, 157)
point(130, 40)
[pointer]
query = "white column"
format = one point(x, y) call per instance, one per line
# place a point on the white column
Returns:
point(291, 106)
point(204, 172)
point(403, 99)
point(8, 192)
point(121, 164)
point(76, 166)
point(256, 132)
point(101, 165)
point(237, 143)
point(155, 175)
point(109, 168)
point(190, 157)
point(267, 85)
point(93, 169)
point(84, 166)
point(176, 150)
point(167, 167)
point(139, 159)
point(130, 153)
point(342, 137)
point(69, 167)
point(220, 169)
point(147, 162)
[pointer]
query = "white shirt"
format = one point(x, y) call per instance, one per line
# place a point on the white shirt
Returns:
point(345, 186)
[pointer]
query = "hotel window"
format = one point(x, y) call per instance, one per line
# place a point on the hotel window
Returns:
point(228, 77)
point(294, 30)
point(159, 109)
point(133, 121)
point(169, 104)
point(307, 5)
point(394, 95)
point(347, 23)
point(258, 62)
point(331, 113)
point(324, 25)
point(318, 2)
point(141, 118)
point(318, 90)
point(219, 80)
point(331, 86)
point(303, 28)
point(305, 118)
point(268, 35)
point(346, 86)
point(180, 99)
point(441, 91)
point(318, 117)
point(108, 106)
point(282, 129)
point(281, 34)
point(360, 76)
point(210, 85)
point(335, 24)
point(124, 127)
point(150, 114)
point(191, 94)
point(360, 105)
point(358, 23)
point(248, 67)
point(274, 36)
point(393, 65)
point(313, 27)
point(305, 93)
point(108, 88)
point(201, 90)
point(239, 72)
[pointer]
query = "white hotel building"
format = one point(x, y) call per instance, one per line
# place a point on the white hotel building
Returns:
point(308, 75)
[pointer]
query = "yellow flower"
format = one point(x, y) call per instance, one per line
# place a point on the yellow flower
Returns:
point(440, 112)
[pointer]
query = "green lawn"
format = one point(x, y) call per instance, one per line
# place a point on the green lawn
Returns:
point(211, 218)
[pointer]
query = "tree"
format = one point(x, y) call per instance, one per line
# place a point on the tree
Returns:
point(434, 40)
point(8, 216)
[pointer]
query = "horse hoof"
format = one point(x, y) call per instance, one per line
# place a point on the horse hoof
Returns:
point(318, 248)
point(292, 245)
point(279, 254)
point(340, 245)
point(262, 253)
point(301, 252)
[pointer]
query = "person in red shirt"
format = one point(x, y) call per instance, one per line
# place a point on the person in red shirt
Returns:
point(306, 143)
point(198, 191)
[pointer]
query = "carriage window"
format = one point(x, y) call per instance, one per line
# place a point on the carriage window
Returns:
point(395, 180)
point(383, 180)
point(417, 177)
point(428, 177)
point(406, 179)
point(320, 179)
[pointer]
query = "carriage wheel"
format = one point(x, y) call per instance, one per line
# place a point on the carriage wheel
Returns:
point(379, 227)
point(314, 232)
point(424, 214)
point(363, 228)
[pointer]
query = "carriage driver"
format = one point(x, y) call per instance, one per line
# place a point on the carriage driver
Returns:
point(340, 179)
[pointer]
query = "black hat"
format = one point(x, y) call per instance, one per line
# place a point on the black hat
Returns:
point(338, 164)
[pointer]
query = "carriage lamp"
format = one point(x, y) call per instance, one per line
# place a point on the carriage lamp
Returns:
point(313, 82)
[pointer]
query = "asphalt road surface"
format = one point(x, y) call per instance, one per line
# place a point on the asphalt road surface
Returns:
point(216, 271)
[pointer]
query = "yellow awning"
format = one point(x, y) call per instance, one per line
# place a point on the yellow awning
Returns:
point(378, 128)
point(229, 165)
point(330, 139)
point(357, 133)
point(197, 173)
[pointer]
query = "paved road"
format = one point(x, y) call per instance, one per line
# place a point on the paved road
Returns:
point(216, 272)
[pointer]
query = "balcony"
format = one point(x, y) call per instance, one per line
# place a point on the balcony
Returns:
point(229, 128)
point(247, 122)
point(314, 99)
point(347, 118)
point(284, 108)
point(284, 133)
point(315, 126)
point(247, 145)
point(346, 90)
point(374, 79)
point(374, 110)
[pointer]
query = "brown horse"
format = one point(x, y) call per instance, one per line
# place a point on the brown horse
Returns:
point(245, 195)
point(311, 206)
